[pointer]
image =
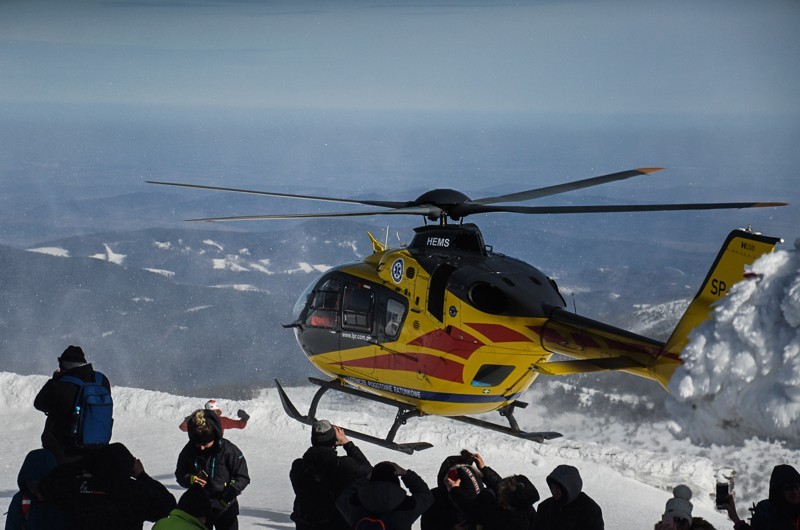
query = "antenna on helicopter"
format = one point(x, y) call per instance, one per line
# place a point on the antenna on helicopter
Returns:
point(574, 306)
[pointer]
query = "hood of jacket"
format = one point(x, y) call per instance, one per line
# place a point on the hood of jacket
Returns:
point(37, 465)
point(212, 418)
point(320, 456)
point(782, 475)
point(570, 481)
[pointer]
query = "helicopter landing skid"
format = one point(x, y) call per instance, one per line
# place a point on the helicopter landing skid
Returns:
point(403, 413)
point(513, 428)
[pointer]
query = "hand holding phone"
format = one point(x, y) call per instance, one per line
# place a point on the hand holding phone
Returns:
point(200, 478)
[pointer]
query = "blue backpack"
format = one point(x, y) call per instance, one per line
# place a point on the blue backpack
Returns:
point(92, 416)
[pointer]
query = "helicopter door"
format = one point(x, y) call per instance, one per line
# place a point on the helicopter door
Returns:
point(358, 327)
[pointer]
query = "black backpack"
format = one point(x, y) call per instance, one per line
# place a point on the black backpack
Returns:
point(315, 498)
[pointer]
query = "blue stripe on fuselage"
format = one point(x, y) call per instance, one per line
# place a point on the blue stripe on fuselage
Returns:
point(444, 397)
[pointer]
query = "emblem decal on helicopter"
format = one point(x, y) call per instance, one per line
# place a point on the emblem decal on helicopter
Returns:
point(397, 270)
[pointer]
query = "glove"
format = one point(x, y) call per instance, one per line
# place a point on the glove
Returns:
point(228, 495)
point(242, 415)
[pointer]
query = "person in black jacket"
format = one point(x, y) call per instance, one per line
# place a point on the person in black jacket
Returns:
point(381, 498)
point(321, 475)
point(444, 514)
point(29, 510)
point(57, 400)
point(108, 488)
point(216, 464)
point(504, 504)
point(569, 508)
point(781, 511)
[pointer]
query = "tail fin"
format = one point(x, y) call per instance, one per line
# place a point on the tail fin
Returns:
point(742, 248)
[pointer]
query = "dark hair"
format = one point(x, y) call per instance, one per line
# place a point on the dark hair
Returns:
point(384, 472)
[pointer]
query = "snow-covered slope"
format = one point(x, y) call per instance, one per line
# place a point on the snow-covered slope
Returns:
point(147, 422)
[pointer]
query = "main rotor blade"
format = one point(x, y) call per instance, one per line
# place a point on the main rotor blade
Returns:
point(430, 211)
point(470, 209)
point(384, 204)
point(568, 186)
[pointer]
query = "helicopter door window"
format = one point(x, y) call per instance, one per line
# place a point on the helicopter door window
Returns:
point(324, 306)
point(437, 290)
point(491, 375)
point(395, 311)
point(358, 307)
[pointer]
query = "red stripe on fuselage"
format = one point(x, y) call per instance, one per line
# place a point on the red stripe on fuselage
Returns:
point(422, 363)
point(457, 342)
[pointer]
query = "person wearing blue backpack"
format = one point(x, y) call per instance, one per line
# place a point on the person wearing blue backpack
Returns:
point(59, 400)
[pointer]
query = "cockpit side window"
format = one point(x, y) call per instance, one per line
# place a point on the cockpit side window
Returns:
point(395, 311)
point(323, 309)
point(358, 308)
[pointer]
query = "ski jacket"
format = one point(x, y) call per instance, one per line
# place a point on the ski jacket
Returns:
point(379, 499)
point(775, 513)
point(574, 511)
point(223, 463)
point(98, 493)
point(336, 473)
point(485, 510)
point(444, 514)
point(27, 511)
point(57, 400)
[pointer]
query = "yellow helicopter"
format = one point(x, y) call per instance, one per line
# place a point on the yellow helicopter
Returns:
point(445, 326)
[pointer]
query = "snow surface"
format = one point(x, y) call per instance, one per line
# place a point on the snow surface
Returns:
point(734, 407)
point(110, 256)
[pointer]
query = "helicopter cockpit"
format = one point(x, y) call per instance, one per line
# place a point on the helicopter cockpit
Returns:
point(340, 305)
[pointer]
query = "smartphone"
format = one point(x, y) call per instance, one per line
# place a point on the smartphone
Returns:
point(723, 492)
point(467, 454)
point(202, 474)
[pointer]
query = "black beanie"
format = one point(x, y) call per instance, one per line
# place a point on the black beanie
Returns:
point(73, 354)
point(323, 434)
point(113, 463)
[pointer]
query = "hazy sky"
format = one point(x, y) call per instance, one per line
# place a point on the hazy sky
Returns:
point(554, 56)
